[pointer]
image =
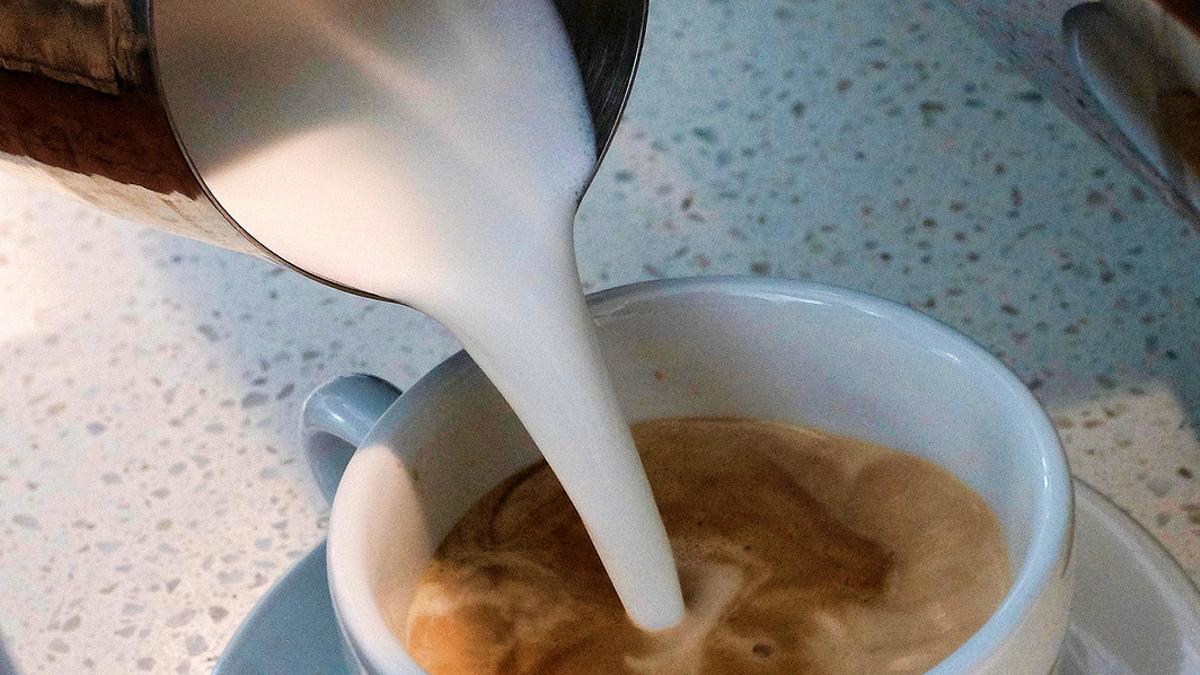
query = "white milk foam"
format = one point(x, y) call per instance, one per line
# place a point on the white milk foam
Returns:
point(448, 179)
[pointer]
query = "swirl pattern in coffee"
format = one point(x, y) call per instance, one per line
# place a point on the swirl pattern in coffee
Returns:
point(799, 552)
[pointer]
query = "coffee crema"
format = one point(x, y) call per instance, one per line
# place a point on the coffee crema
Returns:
point(798, 551)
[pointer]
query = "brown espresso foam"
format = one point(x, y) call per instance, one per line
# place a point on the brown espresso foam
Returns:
point(799, 552)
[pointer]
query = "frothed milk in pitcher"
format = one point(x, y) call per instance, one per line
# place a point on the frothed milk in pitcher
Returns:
point(441, 164)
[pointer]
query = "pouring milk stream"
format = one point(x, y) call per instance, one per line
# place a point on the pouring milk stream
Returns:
point(444, 172)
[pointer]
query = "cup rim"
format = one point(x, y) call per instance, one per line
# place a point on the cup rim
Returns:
point(367, 631)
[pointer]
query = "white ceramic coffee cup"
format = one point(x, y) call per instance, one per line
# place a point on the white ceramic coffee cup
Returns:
point(747, 347)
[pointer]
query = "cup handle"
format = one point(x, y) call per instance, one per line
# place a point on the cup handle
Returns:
point(336, 419)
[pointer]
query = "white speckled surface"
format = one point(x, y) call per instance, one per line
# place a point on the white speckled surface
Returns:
point(149, 385)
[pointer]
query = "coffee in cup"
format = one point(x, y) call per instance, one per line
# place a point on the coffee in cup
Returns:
point(798, 550)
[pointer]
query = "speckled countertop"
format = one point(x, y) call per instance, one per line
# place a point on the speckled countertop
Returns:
point(150, 386)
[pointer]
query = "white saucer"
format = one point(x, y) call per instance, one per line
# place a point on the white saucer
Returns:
point(1134, 610)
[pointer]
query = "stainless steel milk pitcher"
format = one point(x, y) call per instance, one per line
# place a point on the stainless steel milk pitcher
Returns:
point(124, 103)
